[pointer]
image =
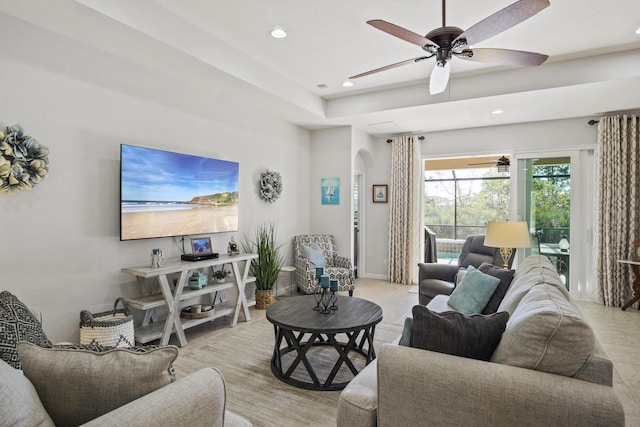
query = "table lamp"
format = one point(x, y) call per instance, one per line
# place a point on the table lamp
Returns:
point(507, 235)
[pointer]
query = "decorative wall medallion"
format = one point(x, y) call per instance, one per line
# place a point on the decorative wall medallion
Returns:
point(270, 186)
point(23, 160)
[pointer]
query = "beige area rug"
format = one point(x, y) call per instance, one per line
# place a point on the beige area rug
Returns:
point(243, 355)
point(413, 290)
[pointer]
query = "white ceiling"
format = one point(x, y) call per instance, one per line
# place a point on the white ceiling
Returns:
point(594, 64)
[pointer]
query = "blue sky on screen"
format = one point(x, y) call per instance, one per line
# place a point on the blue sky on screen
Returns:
point(155, 175)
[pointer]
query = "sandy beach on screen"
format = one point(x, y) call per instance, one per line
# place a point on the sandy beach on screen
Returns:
point(204, 220)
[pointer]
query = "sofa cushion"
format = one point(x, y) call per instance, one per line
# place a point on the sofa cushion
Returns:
point(474, 336)
point(534, 270)
point(546, 332)
point(17, 323)
point(473, 292)
point(314, 254)
point(20, 403)
point(405, 337)
point(506, 276)
point(76, 385)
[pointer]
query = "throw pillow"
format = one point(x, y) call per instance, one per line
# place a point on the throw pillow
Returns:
point(475, 336)
point(20, 403)
point(314, 254)
point(78, 385)
point(405, 338)
point(17, 324)
point(473, 292)
point(506, 276)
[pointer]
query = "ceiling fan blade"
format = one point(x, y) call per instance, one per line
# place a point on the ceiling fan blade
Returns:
point(388, 67)
point(502, 20)
point(401, 33)
point(439, 77)
point(503, 56)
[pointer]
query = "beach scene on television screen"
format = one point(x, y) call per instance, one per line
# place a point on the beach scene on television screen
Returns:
point(171, 194)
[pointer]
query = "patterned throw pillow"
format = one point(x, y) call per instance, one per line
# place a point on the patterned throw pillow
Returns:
point(17, 323)
point(79, 383)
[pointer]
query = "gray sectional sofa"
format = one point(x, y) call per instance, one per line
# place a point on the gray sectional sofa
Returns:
point(548, 369)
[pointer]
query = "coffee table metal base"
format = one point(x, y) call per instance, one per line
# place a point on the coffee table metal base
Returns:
point(359, 341)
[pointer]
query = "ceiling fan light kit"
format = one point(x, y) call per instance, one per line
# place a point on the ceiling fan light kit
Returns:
point(446, 42)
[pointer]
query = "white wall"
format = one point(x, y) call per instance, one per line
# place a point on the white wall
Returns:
point(60, 247)
point(331, 154)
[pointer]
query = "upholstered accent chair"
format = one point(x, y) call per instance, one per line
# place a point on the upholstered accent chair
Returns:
point(437, 279)
point(321, 248)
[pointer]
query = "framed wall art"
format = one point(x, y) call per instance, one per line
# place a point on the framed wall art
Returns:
point(330, 191)
point(380, 192)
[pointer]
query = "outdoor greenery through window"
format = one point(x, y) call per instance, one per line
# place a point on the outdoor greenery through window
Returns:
point(458, 203)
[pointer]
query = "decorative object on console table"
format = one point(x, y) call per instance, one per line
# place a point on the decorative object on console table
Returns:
point(232, 247)
point(110, 328)
point(507, 235)
point(198, 280)
point(157, 258)
point(267, 267)
point(24, 162)
point(380, 193)
point(220, 275)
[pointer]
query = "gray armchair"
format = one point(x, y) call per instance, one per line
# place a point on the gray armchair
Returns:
point(436, 279)
point(336, 266)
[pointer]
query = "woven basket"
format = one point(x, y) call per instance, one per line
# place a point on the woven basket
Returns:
point(110, 328)
point(264, 298)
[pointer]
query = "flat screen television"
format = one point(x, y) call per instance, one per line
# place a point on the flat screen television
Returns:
point(166, 194)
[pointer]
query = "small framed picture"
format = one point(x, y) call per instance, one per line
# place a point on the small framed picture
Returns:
point(201, 245)
point(636, 250)
point(380, 193)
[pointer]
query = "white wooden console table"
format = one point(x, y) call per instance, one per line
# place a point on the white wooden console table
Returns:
point(171, 298)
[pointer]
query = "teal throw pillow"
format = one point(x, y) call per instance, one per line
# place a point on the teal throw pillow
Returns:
point(314, 254)
point(474, 291)
point(405, 338)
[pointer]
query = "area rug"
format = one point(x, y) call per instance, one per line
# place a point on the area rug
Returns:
point(413, 290)
point(243, 355)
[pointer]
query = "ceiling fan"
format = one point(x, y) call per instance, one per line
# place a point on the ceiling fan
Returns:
point(446, 42)
point(502, 164)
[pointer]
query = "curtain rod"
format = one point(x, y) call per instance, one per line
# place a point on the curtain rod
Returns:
point(421, 138)
point(593, 121)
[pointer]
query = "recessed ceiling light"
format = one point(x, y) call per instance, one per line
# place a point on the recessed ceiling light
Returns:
point(496, 112)
point(322, 86)
point(278, 33)
point(347, 84)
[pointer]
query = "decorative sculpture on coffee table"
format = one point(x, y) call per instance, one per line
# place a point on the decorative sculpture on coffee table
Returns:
point(325, 292)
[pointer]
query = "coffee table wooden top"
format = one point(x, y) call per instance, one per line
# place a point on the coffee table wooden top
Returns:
point(297, 313)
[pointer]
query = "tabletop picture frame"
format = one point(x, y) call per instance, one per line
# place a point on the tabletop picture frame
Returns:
point(201, 245)
point(636, 251)
point(380, 193)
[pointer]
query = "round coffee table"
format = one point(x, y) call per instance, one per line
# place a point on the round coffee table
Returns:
point(294, 320)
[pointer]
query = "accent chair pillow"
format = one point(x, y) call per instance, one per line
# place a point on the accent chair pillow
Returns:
point(506, 276)
point(21, 405)
point(314, 254)
point(405, 338)
point(475, 336)
point(77, 385)
point(474, 291)
point(17, 323)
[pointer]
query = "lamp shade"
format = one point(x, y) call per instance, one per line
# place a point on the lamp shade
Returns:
point(507, 234)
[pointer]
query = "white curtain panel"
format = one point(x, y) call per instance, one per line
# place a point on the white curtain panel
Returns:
point(404, 222)
point(617, 207)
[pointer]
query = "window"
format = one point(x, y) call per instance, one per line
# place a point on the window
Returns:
point(459, 202)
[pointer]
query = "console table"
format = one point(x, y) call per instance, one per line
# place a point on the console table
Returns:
point(152, 329)
point(635, 285)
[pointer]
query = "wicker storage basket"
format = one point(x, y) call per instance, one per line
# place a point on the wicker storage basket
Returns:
point(110, 328)
point(264, 298)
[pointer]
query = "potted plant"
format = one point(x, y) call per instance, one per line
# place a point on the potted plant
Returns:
point(266, 267)
point(220, 275)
